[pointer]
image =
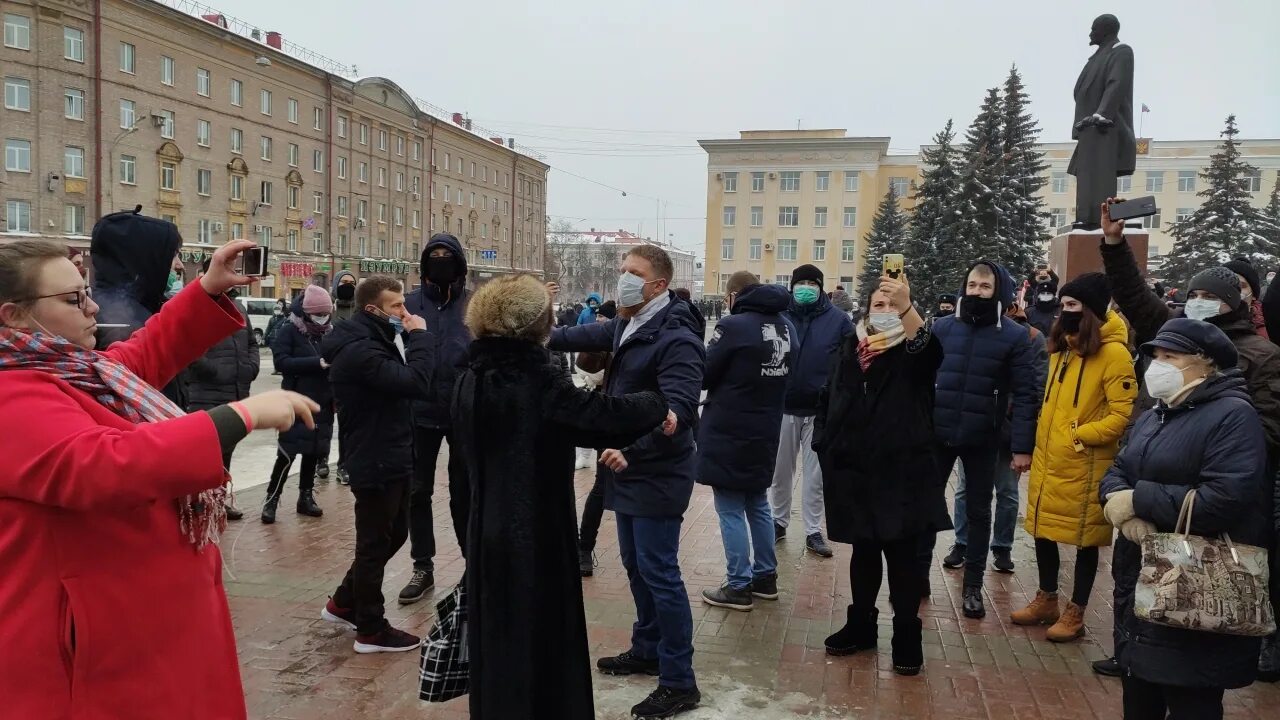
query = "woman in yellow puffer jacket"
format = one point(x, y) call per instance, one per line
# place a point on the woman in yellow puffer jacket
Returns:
point(1087, 402)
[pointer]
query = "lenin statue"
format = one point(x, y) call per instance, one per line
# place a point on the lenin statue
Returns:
point(1103, 123)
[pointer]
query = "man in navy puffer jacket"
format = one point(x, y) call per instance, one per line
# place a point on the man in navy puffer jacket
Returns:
point(988, 363)
point(820, 327)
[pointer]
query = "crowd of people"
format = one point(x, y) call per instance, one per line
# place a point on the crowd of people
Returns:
point(125, 400)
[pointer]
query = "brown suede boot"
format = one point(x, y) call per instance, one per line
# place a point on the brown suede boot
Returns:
point(1069, 627)
point(1042, 611)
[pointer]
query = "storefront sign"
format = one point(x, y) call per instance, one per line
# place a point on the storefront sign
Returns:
point(297, 269)
point(387, 267)
point(194, 256)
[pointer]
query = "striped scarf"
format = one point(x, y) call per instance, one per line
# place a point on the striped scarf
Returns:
point(202, 517)
point(871, 346)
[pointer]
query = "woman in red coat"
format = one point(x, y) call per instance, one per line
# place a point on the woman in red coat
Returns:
point(111, 501)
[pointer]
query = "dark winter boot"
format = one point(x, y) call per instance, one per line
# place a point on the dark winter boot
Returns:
point(269, 512)
point(307, 504)
point(859, 633)
point(908, 650)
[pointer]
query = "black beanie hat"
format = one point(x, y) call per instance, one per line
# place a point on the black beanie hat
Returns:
point(1244, 268)
point(1092, 290)
point(806, 272)
point(1220, 281)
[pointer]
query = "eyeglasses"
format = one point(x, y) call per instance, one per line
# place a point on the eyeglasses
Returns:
point(82, 297)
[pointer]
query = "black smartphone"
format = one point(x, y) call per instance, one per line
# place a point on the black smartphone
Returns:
point(255, 261)
point(1135, 208)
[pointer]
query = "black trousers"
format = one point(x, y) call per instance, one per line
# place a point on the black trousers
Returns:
point(422, 534)
point(1048, 563)
point(382, 525)
point(866, 569)
point(1149, 701)
point(979, 485)
point(280, 473)
point(592, 514)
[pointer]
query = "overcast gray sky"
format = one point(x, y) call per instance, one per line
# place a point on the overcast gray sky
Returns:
point(619, 92)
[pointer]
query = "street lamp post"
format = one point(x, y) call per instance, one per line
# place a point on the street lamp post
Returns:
point(111, 162)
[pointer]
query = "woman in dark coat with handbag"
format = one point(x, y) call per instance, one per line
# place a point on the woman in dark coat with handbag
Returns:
point(1202, 435)
point(296, 354)
point(517, 420)
point(874, 438)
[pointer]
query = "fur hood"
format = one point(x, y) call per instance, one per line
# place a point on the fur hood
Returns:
point(513, 307)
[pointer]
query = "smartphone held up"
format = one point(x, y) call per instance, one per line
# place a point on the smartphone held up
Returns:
point(893, 265)
point(253, 261)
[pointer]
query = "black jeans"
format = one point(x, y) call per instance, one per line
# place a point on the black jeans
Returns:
point(866, 568)
point(1048, 562)
point(280, 473)
point(382, 525)
point(592, 514)
point(1148, 701)
point(422, 533)
point(979, 483)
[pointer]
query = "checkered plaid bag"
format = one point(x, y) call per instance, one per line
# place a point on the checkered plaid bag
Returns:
point(445, 669)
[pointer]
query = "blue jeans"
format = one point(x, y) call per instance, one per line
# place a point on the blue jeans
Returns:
point(664, 621)
point(1006, 516)
point(746, 524)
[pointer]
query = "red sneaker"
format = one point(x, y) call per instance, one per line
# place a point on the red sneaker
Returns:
point(338, 616)
point(389, 640)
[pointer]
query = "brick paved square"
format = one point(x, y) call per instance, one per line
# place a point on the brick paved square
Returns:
point(761, 665)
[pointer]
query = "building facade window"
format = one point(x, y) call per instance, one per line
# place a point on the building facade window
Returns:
point(755, 249)
point(822, 181)
point(382, 177)
point(342, 206)
point(757, 216)
point(294, 153)
point(1124, 184)
point(850, 217)
point(204, 182)
point(291, 109)
point(317, 202)
point(847, 250)
point(204, 129)
point(342, 168)
point(264, 104)
point(17, 155)
point(237, 141)
point(265, 197)
point(1057, 218)
point(364, 134)
point(292, 197)
point(167, 70)
point(730, 215)
point(202, 82)
point(17, 32)
point(399, 216)
point(790, 181)
point(237, 93)
point(1182, 214)
point(363, 172)
point(1059, 181)
point(168, 126)
point(73, 162)
point(128, 170)
point(128, 115)
point(342, 126)
point(382, 213)
point(128, 58)
point(168, 176)
point(789, 216)
point(266, 148)
point(1251, 182)
point(317, 119)
point(292, 239)
point(726, 248)
point(1155, 181)
point(787, 249)
point(204, 231)
point(900, 186)
point(1186, 181)
point(382, 139)
point(1151, 222)
point(730, 182)
point(819, 250)
point(17, 94)
point(400, 146)
point(74, 104)
point(73, 44)
point(17, 214)
point(399, 182)
point(317, 161)
point(851, 181)
point(237, 187)
point(265, 234)
point(73, 220)
point(820, 217)
point(757, 182)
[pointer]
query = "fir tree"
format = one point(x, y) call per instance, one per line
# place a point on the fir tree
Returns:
point(888, 235)
point(977, 228)
point(1272, 214)
point(1024, 174)
point(1227, 224)
point(932, 263)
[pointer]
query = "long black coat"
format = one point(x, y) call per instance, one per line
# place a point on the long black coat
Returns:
point(1213, 443)
point(517, 421)
point(748, 360)
point(875, 442)
point(297, 356)
point(226, 371)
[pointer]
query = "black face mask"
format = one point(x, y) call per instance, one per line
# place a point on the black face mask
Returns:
point(441, 271)
point(1070, 321)
point(977, 310)
point(346, 293)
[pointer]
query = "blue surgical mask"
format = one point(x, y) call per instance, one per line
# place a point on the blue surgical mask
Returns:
point(1203, 308)
point(805, 294)
point(630, 290)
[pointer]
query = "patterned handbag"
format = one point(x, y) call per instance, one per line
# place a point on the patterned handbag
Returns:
point(1199, 583)
point(445, 669)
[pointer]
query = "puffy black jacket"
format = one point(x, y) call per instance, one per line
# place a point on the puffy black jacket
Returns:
point(374, 387)
point(1213, 443)
point(819, 329)
point(748, 360)
point(445, 310)
point(984, 368)
point(664, 355)
point(297, 357)
point(225, 373)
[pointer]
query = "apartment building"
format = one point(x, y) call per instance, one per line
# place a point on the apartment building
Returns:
point(779, 199)
point(232, 133)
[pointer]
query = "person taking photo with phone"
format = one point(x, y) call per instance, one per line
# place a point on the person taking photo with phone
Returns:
point(113, 498)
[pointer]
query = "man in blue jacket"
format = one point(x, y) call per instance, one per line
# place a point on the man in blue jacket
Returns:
point(748, 360)
point(819, 327)
point(988, 363)
point(588, 314)
point(648, 484)
point(442, 302)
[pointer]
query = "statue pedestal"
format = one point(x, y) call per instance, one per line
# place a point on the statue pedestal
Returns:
point(1076, 252)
